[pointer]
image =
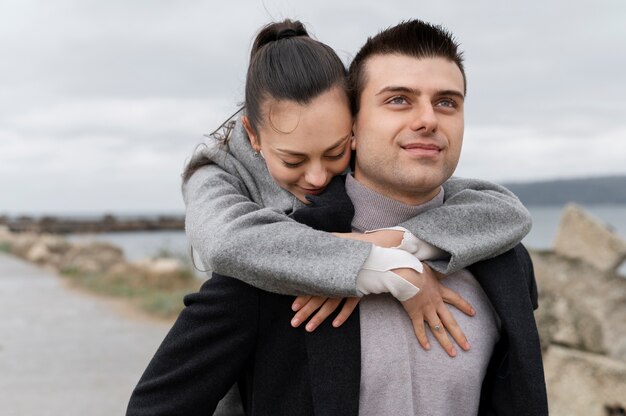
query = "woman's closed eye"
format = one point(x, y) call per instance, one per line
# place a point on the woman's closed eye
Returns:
point(292, 164)
point(337, 156)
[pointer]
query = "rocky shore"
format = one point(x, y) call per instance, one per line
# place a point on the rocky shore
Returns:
point(106, 223)
point(57, 253)
point(157, 284)
point(581, 316)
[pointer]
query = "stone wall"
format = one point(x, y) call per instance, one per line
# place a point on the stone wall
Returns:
point(582, 317)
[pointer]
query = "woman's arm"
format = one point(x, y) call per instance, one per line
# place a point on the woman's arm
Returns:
point(478, 220)
point(235, 236)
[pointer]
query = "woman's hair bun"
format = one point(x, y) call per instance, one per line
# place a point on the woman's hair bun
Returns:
point(276, 31)
point(286, 33)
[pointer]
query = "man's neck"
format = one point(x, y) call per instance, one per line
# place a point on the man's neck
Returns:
point(414, 197)
point(374, 210)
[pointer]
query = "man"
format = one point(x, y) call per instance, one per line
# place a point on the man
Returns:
point(410, 90)
point(409, 104)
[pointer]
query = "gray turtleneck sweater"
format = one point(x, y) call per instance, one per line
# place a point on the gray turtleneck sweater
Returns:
point(236, 223)
point(398, 377)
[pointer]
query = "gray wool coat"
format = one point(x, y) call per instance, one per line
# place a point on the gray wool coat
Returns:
point(237, 225)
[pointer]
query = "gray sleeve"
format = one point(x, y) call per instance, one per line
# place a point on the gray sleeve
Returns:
point(261, 246)
point(478, 220)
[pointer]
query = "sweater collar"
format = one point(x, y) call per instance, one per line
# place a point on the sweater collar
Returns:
point(373, 210)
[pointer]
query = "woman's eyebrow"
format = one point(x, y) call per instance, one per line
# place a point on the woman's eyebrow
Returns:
point(290, 152)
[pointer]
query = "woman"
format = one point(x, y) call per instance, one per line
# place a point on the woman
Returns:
point(298, 122)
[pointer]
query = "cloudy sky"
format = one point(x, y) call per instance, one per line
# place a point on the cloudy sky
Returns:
point(101, 102)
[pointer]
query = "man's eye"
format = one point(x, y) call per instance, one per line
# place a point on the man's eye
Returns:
point(447, 103)
point(397, 100)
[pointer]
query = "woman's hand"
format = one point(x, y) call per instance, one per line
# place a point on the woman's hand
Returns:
point(305, 306)
point(428, 306)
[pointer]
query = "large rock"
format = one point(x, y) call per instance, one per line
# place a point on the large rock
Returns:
point(562, 322)
point(583, 237)
point(94, 257)
point(161, 265)
point(579, 306)
point(164, 273)
point(5, 234)
point(48, 250)
point(582, 383)
point(38, 253)
point(22, 243)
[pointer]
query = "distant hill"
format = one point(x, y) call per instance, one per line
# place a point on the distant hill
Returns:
point(597, 190)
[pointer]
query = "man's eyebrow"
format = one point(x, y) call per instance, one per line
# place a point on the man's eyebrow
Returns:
point(332, 147)
point(398, 88)
point(453, 93)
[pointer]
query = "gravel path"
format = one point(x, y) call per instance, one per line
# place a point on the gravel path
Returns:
point(63, 352)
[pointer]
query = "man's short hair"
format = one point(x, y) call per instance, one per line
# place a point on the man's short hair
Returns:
point(414, 38)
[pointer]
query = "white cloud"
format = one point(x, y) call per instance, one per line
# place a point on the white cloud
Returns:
point(502, 153)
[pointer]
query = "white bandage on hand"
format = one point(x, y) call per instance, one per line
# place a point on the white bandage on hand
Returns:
point(416, 246)
point(376, 276)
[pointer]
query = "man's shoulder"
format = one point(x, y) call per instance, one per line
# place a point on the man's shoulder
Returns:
point(517, 257)
point(511, 271)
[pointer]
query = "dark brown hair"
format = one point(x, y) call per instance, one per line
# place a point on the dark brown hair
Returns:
point(285, 64)
point(413, 38)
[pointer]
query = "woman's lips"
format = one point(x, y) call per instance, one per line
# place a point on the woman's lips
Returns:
point(312, 191)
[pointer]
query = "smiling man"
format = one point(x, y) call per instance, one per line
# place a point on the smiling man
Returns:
point(409, 92)
point(409, 126)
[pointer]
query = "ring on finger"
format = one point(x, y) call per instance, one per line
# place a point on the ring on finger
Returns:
point(437, 327)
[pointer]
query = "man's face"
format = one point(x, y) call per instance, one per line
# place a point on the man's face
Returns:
point(409, 129)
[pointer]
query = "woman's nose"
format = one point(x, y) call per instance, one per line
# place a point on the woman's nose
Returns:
point(316, 176)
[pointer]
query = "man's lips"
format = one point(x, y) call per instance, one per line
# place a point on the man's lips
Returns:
point(422, 149)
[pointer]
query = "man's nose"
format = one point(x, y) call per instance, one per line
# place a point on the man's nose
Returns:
point(316, 176)
point(425, 119)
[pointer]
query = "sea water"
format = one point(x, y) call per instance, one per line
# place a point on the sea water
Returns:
point(138, 245)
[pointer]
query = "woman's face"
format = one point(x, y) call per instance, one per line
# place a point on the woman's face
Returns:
point(305, 146)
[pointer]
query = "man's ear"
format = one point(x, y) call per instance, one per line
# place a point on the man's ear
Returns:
point(353, 142)
point(252, 136)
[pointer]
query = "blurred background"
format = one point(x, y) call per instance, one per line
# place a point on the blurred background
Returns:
point(101, 104)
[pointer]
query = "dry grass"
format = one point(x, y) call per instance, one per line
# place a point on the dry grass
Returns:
point(160, 295)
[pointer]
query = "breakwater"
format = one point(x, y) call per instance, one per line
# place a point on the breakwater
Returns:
point(100, 224)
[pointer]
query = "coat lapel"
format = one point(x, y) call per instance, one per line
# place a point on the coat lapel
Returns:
point(335, 366)
point(334, 354)
point(518, 385)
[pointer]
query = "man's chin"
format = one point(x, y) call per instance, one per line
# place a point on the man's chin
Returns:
point(420, 182)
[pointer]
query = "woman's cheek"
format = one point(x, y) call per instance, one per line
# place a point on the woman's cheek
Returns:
point(341, 165)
